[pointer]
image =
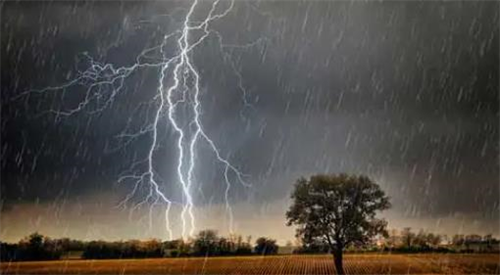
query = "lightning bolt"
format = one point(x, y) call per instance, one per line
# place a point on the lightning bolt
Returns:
point(104, 82)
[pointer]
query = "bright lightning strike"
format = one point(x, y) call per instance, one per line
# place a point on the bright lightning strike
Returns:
point(104, 82)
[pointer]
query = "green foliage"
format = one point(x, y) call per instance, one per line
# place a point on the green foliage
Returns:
point(337, 209)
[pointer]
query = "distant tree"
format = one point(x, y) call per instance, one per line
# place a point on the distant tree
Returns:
point(488, 238)
point(338, 210)
point(176, 248)
point(265, 246)
point(67, 244)
point(473, 238)
point(420, 239)
point(152, 248)
point(240, 247)
point(458, 240)
point(9, 252)
point(100, 250)
point(433, 240)
point(408, 237)
point(206, 243)
point(36, 247)
point(32, 246)
point(489, 241)
point(224, 247)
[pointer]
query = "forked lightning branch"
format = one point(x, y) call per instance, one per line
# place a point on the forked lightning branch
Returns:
point(178, 83)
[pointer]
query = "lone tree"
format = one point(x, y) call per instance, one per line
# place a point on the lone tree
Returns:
point(338, 210)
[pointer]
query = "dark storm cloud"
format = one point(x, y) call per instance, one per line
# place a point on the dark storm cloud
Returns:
point(406, 91)
point(41, 43)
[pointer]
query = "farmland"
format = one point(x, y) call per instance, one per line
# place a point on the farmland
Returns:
point(285, 264)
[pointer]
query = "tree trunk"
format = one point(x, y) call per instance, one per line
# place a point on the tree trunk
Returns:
point(337, 258)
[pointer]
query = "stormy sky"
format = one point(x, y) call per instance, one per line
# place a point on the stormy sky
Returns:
point(406, 92)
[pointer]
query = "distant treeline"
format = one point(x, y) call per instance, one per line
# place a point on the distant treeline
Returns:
point(407, 241)
point(206, 243)
point(34, 247)
point(209, 243)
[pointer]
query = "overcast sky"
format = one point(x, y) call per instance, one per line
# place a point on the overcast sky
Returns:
point(406, 92)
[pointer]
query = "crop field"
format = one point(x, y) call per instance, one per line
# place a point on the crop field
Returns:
point(286, 264)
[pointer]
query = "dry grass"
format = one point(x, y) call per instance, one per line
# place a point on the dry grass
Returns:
point(287, 264)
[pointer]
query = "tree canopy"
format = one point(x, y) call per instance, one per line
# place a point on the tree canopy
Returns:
point(339, 210)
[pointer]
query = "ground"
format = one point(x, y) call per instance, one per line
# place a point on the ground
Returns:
point(285, 264)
